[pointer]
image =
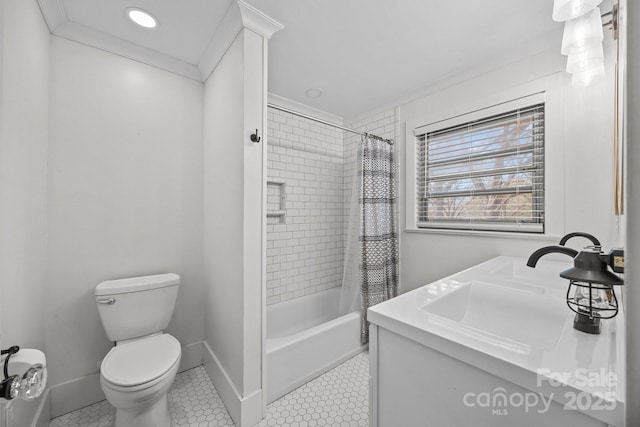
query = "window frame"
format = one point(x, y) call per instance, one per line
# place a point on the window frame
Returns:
point(441, 108)
point(485, 114)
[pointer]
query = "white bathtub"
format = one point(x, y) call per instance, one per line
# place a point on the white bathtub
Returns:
point(305, 338)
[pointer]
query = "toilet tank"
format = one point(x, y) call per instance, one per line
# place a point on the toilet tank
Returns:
point(137, 306)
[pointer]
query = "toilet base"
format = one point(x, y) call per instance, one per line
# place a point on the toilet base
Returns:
point(154, 415)
point(145, 404)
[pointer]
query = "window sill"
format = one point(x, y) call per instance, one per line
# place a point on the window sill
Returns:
point(476, 233)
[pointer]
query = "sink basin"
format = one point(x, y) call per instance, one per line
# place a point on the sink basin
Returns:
point(514, 318)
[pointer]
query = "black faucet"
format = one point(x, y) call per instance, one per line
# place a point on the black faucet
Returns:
point(533, 259)
point(593, 298)
point(593, 239)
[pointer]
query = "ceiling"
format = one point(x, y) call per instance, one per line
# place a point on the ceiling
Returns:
point(368, 54)
point(363, 54)
point(184, 32)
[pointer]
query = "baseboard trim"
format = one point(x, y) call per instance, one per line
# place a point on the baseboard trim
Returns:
point(75, 394)
point(251, 409)
point(245, 412)
point(84, 391)
point(223, 384)
point(191, 356)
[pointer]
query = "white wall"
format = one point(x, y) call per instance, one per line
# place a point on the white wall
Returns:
point(579, 167)
point(233, 227)
point(223, 207)
point(1, 166)
point(125, 195)
point(23, 179)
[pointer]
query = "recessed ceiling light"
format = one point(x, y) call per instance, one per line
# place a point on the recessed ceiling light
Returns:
point(314, 92)
point(142, 18)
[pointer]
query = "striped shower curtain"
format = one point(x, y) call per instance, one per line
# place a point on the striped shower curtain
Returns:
point(378, 227)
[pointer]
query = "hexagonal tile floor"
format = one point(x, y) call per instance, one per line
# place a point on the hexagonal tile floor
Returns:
point(193, 401)
point(338, 398)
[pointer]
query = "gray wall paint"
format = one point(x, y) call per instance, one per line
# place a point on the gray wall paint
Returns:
point(632, 296)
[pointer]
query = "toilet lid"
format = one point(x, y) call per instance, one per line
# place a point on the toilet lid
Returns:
point(141, 361)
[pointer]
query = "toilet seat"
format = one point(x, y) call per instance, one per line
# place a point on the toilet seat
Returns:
point(140, 363)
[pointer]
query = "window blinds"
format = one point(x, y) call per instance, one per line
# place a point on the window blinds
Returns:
point(485, 174)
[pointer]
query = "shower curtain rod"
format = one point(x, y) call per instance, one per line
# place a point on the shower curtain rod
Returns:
point(295, 113)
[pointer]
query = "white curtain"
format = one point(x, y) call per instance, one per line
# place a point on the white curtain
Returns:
point(350, 297)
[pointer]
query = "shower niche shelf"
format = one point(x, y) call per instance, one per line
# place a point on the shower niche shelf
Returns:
point(276, 202)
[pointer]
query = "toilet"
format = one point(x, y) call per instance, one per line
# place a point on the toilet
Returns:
point(137, 372)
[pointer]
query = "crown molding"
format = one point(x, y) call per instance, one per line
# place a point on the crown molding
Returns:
point(239, 15)
point(257, 21)
point(53, 13)
point(299, 107)
point(225, 35)
point(103, 41)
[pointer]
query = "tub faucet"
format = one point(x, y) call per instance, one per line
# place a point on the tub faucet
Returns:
point(533, 259)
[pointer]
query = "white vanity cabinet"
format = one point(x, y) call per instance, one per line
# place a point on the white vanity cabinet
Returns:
point(492, 346)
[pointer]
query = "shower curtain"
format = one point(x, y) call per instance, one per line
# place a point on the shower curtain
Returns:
point(372, 240)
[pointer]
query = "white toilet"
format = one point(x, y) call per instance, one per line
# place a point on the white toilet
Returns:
point(137, 372)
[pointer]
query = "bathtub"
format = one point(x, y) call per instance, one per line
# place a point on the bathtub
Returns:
point(305, 338)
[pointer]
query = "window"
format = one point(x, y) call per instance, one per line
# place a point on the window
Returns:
point(483, 171)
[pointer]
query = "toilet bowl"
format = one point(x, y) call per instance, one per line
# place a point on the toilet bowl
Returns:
point(138, 371)
point(136, 377)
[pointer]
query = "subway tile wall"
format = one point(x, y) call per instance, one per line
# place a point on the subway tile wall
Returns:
point(305, 246)
point(310, 169)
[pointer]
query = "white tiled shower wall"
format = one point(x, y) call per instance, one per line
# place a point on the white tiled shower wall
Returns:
point(305, 247)
point(310, 168)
